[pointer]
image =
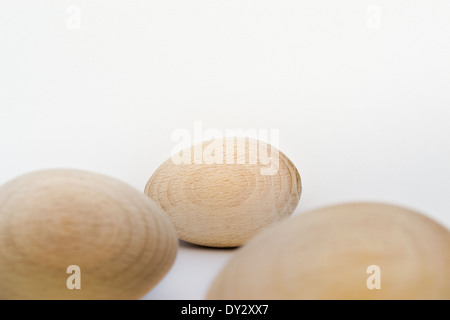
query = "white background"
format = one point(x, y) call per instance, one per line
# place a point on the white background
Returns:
point(359, 91)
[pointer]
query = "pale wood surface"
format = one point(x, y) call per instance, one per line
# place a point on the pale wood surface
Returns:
point(226, 204)
point(324, 254)
point(121, 240)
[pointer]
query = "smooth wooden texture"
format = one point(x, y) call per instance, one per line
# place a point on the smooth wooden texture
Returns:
point(225, 204)
point(121, 240)
point(325, 254)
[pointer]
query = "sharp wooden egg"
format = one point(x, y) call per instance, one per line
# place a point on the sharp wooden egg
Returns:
point(223, 192)
point(351, 251)
point(122, 242)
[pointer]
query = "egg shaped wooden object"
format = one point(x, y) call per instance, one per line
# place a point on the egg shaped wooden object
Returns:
point(67, 234)
point(223, 192)
point(351, 251)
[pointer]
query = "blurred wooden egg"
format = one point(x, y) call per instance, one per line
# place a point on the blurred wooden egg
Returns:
point(351, 251)
point(223, 192)
point(122, 242)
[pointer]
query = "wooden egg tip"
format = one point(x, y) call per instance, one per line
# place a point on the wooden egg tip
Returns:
point(223, 192)
point(50, 221)
point(349, 251)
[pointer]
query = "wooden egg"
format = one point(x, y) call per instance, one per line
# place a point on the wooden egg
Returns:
point(120, 240)
point(222, 192)
point(351, 251)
